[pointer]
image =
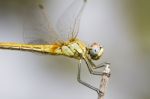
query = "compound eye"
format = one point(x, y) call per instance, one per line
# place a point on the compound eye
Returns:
point(94, 51)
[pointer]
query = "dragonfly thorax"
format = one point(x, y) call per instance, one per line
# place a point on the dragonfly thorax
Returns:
point(95, 51)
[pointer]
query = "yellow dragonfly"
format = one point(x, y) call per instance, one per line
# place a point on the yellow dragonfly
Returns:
point(60, 41)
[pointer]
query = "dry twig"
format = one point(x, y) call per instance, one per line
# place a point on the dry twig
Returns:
point(104, 81)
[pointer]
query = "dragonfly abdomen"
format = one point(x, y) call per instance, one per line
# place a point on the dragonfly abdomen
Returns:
point(51, 49)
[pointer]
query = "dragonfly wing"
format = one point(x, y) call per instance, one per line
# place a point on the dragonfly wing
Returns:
point(68, 24)
point(36, 27)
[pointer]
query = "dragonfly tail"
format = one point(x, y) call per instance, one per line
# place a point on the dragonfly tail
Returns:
point(51, 49)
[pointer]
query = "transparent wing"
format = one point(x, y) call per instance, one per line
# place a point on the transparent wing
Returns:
point(36, 26)
point(68, 24)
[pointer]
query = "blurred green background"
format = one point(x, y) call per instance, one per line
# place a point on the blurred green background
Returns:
point(141, 17)
point(121, 26)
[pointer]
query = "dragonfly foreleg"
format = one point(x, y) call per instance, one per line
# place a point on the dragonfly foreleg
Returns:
point(104, 64)
point(92, 67)
point(86, 84)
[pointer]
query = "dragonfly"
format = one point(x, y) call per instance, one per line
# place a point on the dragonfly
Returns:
point(61, 40)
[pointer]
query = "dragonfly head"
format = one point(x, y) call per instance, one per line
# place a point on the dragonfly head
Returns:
point(95, 51)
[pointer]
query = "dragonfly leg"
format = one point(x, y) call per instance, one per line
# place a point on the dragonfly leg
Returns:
point(92, 67)
point(104, 64)
point(86, 84)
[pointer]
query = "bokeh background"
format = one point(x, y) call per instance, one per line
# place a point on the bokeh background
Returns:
point(121, 26)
